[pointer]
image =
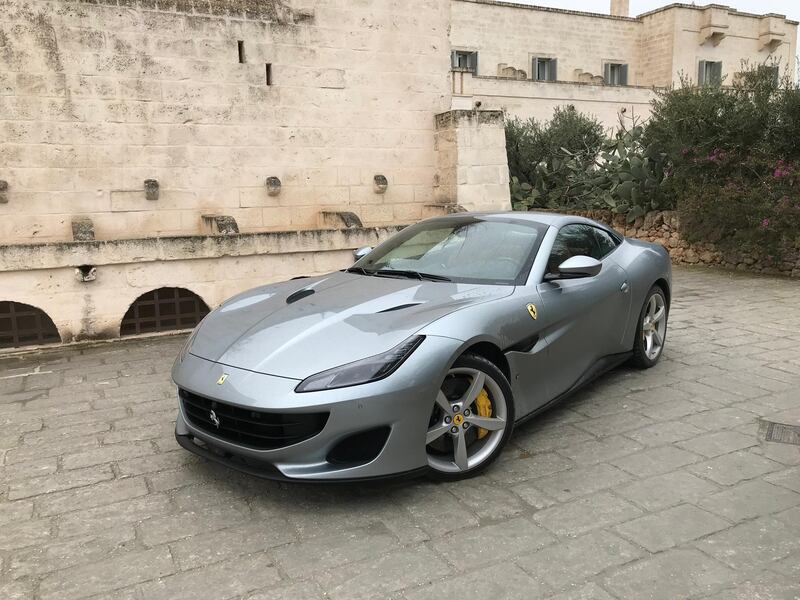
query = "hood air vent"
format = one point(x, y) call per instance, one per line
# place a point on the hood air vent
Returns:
point(399, 307)
point(298, 295)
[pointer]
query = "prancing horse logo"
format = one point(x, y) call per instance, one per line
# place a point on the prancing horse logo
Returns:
point(222, 379)
point(214, 419)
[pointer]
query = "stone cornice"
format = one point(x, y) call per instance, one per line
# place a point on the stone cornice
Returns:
point(53, 255)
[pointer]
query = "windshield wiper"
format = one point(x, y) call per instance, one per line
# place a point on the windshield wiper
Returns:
point(359, 270)
point(410, 274)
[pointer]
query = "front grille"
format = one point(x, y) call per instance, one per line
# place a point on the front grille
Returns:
point(247, 427)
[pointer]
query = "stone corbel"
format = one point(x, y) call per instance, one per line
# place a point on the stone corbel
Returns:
point(336, 218)
point(220, 224)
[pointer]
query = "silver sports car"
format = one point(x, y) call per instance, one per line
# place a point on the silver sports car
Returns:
point(423, 355)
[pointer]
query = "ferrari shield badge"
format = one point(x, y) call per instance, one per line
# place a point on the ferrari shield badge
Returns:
point(222, 379)
point(532, 311)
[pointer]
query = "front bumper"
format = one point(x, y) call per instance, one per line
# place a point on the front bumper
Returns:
point(402, 403)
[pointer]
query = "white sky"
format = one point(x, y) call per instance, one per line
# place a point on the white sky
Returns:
point(790, 8)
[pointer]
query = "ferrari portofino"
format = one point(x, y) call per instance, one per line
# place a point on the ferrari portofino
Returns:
point(423, 355)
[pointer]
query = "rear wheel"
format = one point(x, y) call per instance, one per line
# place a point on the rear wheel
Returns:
point(471, 420)
point(651, 332)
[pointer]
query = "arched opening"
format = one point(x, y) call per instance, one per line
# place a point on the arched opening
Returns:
point(25, 325)
point(164, 309)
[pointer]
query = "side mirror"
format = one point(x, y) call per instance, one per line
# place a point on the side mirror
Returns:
point(360, 253)
point(576, 267)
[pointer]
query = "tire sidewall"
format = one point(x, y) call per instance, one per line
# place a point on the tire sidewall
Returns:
point(473, 361)
point(640, 357)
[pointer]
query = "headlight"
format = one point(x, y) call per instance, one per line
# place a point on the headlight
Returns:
point(362, 371)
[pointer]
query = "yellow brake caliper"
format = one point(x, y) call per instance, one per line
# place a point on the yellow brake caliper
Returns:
point(484, 406)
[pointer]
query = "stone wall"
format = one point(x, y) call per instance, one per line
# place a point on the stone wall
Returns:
point(538, 99)
point(213, 267)
point(97, 97)
point(659, 48)
point(473, 168)
point(663, 227)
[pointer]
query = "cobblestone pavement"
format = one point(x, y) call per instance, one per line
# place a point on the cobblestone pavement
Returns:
point(649, 484)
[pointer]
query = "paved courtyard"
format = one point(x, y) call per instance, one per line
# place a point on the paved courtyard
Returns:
point(655, 484)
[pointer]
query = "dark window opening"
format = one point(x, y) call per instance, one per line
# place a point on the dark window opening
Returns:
point(615, 74)
point(709, 72)
point(464, 60)
point(25, 325)
point(545, 69)
point(269, 73)
point(164, 309)
point(242, 59)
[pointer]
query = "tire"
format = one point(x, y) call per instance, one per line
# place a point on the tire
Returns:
point(462, 405)
point(651, 333)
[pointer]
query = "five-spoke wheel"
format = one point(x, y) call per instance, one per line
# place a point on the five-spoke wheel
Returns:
point(652, 331)
point(471, 419)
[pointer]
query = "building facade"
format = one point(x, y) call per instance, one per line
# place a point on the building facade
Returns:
point(527, 60)
point(159, 156)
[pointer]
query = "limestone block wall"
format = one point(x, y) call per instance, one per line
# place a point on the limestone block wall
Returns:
point(213, 267)
point(657, 46)
point(513, 34)
point(526, 98)
point(473, 167)
point(742, 40)
point(210, 98)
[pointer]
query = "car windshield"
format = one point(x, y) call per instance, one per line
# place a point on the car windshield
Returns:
point(462, 249)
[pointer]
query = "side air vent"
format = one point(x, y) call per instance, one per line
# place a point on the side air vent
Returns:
point(399, 307)
point(298, 295)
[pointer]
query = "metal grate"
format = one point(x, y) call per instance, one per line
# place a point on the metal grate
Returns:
point(248, 427)
point(25, 325)
point(782, 433)
point(164, 309)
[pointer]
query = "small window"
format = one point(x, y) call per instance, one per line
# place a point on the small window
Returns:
point(240, 45)
point(615, 74)
point(25, 325)
point(462, 60)
point(545, 69)
point(164, 309)
point(605, 242)
point(709, 72)
point(268, 73)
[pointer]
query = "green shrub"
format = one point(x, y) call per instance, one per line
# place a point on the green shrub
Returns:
point(536, 153)
point(727, 157)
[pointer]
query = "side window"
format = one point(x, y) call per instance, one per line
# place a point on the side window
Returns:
point(605, 242)
point(573, 240)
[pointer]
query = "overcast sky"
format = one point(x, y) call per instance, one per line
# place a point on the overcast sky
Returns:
point(790, 8)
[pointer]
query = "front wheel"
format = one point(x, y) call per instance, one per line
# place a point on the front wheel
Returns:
point(651, 332)
point(471, 420)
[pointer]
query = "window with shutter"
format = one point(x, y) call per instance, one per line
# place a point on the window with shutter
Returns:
point(709, 72)
point(545, 69)
point(615, 74)
point(464, 60)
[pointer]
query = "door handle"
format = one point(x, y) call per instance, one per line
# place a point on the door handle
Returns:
point(624, 287)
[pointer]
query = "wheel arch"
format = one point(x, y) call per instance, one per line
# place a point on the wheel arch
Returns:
point(664, 285)
point(491, 352)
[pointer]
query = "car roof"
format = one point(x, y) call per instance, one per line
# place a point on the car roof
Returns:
point(543, 218)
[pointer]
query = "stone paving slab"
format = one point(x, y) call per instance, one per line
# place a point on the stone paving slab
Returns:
point(647, 484)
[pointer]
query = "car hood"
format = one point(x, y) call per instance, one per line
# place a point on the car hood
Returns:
point(301, 327)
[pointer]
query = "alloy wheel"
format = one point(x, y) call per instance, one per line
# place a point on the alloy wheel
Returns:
point(461, 435)
point(654, 326)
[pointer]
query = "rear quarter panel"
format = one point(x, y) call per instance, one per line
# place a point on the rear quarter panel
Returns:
point(645, 263)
